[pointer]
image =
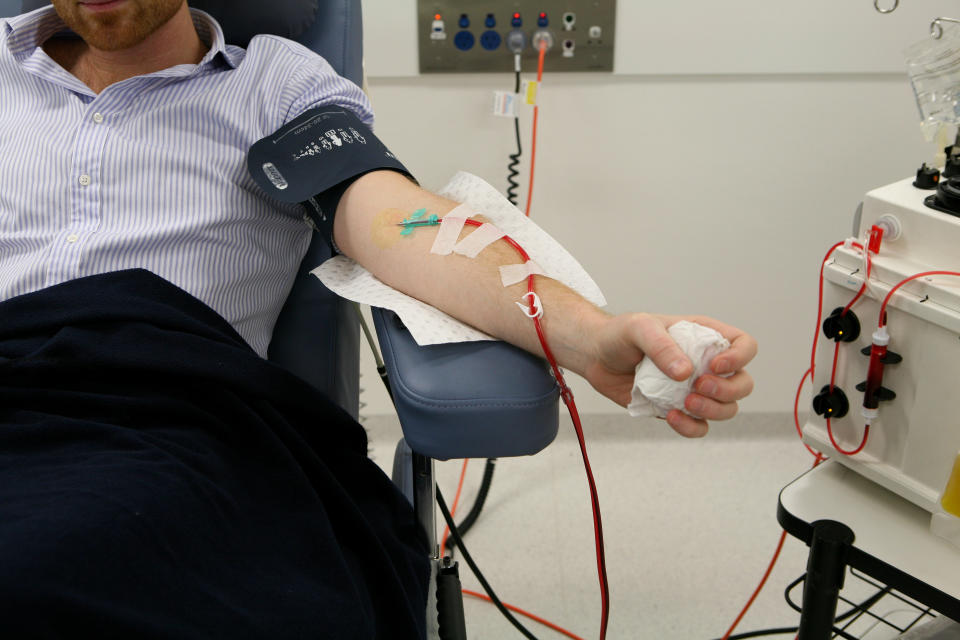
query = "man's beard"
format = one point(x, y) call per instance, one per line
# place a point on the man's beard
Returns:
point(124, 27)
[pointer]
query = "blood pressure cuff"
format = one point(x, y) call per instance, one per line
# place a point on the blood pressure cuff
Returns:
point(314, 158)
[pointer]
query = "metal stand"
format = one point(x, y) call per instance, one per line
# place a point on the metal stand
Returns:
point(893, 546)
point(826, 568)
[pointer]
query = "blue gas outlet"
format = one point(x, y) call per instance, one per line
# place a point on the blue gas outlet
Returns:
point(464, 40)
point(490, 40)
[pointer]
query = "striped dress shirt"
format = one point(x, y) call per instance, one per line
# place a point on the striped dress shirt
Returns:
point(151, 172)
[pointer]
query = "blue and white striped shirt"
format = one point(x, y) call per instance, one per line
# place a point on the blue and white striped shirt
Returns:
point(151, 172)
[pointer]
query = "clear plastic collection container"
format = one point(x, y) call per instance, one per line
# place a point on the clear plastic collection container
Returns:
point(933, 66)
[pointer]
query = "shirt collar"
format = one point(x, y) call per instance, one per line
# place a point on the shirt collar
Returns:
point(24, 33)
point(211, 33)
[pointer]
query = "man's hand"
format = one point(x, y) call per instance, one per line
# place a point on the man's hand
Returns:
point(625, 340)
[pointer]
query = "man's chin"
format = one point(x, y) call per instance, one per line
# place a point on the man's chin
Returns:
point(120, 27)
point(112, 33)
point(110, 43)
point(117, 26)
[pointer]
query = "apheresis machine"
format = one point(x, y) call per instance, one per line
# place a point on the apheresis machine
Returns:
point(887, 358)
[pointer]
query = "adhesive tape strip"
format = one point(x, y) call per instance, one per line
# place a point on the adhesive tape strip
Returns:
point(514, 273)
point(473, 244)
point(449, 233)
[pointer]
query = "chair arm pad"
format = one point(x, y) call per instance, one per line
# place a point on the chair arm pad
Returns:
point(484, 399)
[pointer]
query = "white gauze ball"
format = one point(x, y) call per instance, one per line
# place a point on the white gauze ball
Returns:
point(654, 392)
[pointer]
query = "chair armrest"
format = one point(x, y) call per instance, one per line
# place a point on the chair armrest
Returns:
point(484, 399)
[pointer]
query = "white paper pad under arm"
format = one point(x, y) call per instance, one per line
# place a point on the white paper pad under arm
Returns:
point(482, 237)
point(427, 324)
point(431, 326)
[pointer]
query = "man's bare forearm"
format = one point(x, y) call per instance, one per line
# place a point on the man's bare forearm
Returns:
point(467, 289)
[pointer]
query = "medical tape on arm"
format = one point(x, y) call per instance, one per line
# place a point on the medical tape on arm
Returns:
point(485, 235)
point(450, 227)
point(471, 246)
point(514, 273)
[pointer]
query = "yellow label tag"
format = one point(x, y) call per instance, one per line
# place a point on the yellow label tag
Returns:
point(530, 91)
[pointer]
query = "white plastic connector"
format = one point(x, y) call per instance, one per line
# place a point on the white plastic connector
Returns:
point(880, 337)
point(569, 20)
point(890, 225)
point(516, 41)
point(537, 311)
point(542, 35)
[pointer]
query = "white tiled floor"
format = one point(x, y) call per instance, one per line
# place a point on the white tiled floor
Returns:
point(690, 526)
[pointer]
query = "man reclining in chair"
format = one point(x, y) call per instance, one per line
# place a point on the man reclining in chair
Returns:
point(158, 477)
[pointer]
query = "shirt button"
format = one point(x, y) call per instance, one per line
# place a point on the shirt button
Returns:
point(84, 180)
point(98, 117)
point(72, 238)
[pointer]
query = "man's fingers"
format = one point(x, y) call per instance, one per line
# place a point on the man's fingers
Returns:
point(705, 409)
point(652, 338)
point(687, 426)
point(742, 350)
point(709, 409)
point(743, 346)
point(732, 389)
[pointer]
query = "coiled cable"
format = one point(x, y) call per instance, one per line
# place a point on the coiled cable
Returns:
point(512, 173)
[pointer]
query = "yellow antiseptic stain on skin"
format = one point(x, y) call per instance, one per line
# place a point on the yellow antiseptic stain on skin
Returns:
point(385, 229)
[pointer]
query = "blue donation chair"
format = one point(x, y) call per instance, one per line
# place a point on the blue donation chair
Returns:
point(472, 400)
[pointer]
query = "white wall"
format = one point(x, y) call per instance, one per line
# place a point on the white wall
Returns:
point(713, 194)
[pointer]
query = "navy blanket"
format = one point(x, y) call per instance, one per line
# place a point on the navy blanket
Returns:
point(160, 480)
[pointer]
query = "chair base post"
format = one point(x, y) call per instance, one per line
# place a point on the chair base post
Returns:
point(425, 499)
point(452, 624)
